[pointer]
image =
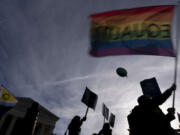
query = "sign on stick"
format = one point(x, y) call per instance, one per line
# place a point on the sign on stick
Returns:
point(112, 120)
point(90, 98)
point(150, 87)
point(105, 111)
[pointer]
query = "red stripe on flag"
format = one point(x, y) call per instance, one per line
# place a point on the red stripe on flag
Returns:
point(164, 8)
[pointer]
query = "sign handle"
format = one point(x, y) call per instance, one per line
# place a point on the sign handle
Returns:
point(86, 111)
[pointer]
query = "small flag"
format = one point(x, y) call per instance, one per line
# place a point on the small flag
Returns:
point(90, 98)
point(112, 120)
point(178, 116)
point(143, 30)
point(105, 111)
point(7, 100)
point(150, 87)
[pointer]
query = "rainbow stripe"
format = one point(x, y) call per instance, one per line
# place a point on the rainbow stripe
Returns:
point(144, 30)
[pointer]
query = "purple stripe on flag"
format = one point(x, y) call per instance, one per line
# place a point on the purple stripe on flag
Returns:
point(126, 51)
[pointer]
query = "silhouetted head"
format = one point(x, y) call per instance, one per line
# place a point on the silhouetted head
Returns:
point(76, 119)
point(106, 126)
point(74, 122)
point(144, 100)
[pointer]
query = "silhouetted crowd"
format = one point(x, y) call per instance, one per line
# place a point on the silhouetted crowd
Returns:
point(146, 118)
point(74, 127)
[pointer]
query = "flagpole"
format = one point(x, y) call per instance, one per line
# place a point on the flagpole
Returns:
point(176, 55)
point(175, 77)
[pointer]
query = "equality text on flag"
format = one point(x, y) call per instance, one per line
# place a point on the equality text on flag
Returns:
point(144, 30)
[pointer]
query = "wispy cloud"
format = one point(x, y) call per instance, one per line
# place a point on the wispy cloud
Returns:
point(44, 55)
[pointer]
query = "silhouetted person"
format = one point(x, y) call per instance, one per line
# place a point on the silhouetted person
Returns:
point(74, 127)
point(106, 130)
point(148, 119)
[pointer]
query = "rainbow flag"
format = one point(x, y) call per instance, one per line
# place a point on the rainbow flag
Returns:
point(7, 100)
point(144, 30)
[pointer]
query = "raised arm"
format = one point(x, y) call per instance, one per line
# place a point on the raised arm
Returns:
point(82, 120)
point(163, 97)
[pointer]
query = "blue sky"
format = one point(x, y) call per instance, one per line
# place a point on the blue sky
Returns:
point(44, 48)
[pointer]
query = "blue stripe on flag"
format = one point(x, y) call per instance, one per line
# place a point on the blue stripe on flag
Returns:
point(132, 44)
